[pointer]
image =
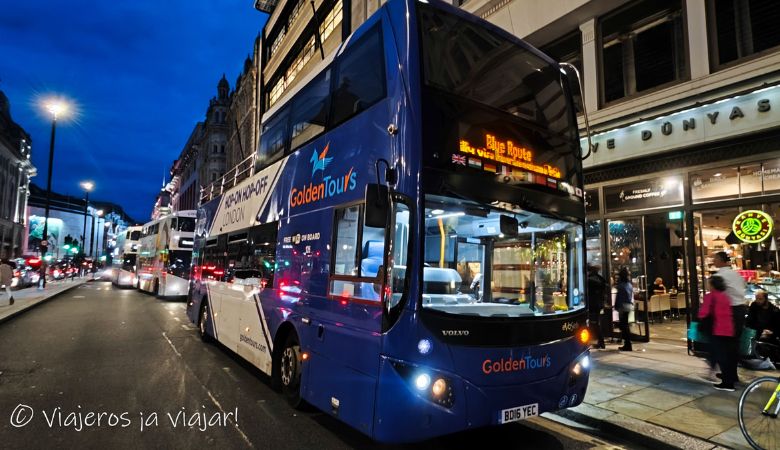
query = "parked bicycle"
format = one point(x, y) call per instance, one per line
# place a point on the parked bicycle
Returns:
point(758, 409)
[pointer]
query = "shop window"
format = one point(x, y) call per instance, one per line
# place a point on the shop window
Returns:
point(715, 184)
point(750, 179)
point(741, 28)
point(568, 49)
point(643, 47)
point(593, 242)
point(771, 177)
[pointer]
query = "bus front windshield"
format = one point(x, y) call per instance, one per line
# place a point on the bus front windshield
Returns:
point(489, 262)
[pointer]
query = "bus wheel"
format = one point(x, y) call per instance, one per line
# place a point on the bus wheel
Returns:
point(290, 371)
point(203, 320)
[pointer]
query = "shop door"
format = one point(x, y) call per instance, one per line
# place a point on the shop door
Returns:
point(626, 248)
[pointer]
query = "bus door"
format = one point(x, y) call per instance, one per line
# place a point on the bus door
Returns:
point(351, 340)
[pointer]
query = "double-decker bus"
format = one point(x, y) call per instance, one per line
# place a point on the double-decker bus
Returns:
point(165, 254)
point(408, 256)
point(124, 259)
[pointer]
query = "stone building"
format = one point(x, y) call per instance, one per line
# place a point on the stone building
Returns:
point(244, 111)
point(16, 169)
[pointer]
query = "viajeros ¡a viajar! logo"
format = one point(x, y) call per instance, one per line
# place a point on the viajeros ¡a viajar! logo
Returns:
point(329, 186)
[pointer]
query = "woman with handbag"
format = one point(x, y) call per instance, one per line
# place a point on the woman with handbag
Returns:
point(715, 318)
point(624, 301)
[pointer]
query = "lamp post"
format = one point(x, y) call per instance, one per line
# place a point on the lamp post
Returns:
point(87, 186)
point(93, 234)
point(55, 108)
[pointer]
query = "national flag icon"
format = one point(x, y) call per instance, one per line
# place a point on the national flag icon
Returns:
point(475, 162)
point(490, 167)
point(505, 170)
point(459, 159)
point(540, 179)
point(552, 182)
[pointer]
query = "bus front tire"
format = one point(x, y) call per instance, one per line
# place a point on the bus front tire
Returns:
point(203, 318)
point(289, 371)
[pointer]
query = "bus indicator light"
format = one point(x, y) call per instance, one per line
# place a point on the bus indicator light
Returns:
point(584, 335)
point(439, 387)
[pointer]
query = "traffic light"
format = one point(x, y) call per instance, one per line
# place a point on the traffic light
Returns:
point(66, 247)
point(74, 250)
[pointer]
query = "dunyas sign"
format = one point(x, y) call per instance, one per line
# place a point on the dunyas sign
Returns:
point(756, 111)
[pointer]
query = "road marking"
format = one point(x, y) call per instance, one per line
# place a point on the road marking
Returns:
point(208, 392)
point(78, 296)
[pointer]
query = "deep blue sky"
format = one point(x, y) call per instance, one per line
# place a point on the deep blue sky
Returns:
point(140, 72)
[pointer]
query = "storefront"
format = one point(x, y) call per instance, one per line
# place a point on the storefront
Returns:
point(665, 216)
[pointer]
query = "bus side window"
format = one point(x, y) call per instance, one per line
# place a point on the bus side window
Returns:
point(310, 111)
point(360, 80)
point(274, 139)
point(359, 254)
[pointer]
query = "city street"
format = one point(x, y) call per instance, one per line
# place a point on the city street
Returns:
point(136, 363)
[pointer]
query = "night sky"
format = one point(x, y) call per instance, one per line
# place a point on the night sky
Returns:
point(140, 73)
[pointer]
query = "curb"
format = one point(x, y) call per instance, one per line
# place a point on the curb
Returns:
point(44, 300)
point(635, 430)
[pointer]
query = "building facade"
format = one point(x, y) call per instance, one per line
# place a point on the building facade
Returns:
point(202, 161)
point(244, 111)
point(93, 229)
point(16, 169)
point(684, 105)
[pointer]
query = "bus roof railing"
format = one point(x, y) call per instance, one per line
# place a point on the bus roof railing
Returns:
point(241, 171)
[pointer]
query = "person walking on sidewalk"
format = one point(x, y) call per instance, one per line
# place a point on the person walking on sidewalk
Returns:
point(735, 289)
point(624, 302)
point(6, 278)
point(597, 289)
point(717, 306)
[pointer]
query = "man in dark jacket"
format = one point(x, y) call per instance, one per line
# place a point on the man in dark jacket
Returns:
point(597, 291)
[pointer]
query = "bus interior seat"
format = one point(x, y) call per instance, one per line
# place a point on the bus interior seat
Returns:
point(373, 252)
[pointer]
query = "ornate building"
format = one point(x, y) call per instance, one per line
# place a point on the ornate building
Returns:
point(16, 169)
point(201, 161)
point(244, 112)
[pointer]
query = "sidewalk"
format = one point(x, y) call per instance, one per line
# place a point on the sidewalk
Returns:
point(655, 393)
point(25, 299)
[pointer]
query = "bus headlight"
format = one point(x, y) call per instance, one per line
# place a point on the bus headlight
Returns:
point(429, 384)
point(422, 381)
point(580, 367)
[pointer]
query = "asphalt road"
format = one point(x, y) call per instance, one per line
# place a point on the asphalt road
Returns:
point(137, 365)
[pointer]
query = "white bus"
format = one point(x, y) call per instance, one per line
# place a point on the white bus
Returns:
point(125, 254)
point(163, 267)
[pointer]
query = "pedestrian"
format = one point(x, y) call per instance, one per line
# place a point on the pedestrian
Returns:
point(717, 307)
point(624, 302)
point(735, 289)
point(6, 278)
point(597, 290)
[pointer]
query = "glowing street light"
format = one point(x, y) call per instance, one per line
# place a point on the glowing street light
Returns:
point(56, 108)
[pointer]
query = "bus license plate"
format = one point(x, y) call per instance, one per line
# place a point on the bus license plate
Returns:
point(519, 413)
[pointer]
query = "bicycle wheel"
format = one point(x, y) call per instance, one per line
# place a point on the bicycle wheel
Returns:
point(760, 428)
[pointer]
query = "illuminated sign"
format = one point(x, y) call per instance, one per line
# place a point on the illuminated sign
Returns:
point(506, 152)
point(752, 226)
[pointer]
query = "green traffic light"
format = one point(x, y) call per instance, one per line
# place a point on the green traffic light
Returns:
point(74, 250)
point(66, 246)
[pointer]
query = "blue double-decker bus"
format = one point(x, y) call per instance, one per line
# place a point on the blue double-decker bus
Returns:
point(408, 254)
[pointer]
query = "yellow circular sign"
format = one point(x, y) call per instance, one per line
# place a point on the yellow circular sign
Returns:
point(752, 226)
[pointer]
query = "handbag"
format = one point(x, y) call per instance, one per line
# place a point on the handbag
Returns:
point(706, 324)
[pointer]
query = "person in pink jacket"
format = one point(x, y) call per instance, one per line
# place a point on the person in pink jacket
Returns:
point(718, 306)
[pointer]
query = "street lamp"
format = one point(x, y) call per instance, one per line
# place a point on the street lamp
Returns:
point(88, 186)
point(56, 108)
point(94, 234)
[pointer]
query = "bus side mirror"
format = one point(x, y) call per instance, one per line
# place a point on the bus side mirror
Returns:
point(574, 83)
point(508, 225)
point(377, 206)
